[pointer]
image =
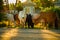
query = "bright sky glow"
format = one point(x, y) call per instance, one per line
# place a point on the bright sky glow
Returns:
point(23, 1)
point(12, 1)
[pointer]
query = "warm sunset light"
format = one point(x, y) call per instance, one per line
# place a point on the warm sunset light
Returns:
point(23, 1)
point(12, 1)
point(29, 19)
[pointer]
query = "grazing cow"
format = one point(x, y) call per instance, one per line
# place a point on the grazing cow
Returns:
point(16, 19)
point(13, 18)
point(10, 18)
point(48, 17)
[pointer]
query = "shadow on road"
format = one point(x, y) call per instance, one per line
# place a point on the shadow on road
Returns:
point(28, 34)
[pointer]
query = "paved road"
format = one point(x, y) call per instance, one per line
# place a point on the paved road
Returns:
point(29, 34)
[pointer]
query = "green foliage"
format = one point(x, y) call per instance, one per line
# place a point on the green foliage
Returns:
point(54, 9)
point(38, 3)
point(11, 6)
point(46, 9)
point(57, 10)
point(19, 6)
point(46, 3)
point(1, 5)
point(3, 25)
point(2, 17)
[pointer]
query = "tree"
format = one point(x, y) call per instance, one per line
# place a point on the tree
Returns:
point(11, 6)
point(19, 6)
point(43, 3)
point(37, 2)
point(1, 5)
point(1, 8)
point(2, 15)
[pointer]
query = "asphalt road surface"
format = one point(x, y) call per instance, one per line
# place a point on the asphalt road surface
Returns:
point(28, 34)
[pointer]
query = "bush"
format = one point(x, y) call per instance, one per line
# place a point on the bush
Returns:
point(3, 25)
point(56, 10)
point(2, 17)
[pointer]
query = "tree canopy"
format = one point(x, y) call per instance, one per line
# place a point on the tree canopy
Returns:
point(19, 6)
point(1, 5)
point(43, 3)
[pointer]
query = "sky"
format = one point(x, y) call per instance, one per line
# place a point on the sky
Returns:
point(22, 1)
point(14, 1)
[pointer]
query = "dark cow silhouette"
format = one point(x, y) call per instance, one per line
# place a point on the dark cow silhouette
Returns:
point(29, 21)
